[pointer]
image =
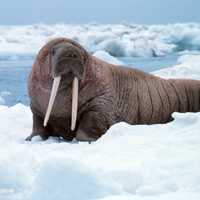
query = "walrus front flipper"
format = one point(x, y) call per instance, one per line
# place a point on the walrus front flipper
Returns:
point(81, 136)
point(92, 126)
point(29, 138)
point(39, 129)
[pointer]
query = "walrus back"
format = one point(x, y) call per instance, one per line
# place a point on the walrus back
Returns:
point(134, 95)
point(188, 94)
point(143, 98)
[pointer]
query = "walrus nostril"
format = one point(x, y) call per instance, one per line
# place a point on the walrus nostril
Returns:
point(74, 56)
point(71, 55)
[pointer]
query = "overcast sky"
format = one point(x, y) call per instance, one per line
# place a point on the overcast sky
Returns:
point(103, 11)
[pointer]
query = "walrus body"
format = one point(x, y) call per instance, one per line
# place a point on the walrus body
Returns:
point(107, 94)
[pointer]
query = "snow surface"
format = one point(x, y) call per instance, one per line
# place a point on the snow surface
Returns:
point(188, 67)
point(157, 162)
point(3, 94)
point(2, 101)
point(107, 57)
point(118, 40)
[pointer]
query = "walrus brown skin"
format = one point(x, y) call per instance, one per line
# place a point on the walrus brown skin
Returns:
point(107, 94)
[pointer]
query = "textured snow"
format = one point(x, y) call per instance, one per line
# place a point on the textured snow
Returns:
point(118, 40)
point(3, 95)
point(158, 161)
point(2, 101)
point(188, 67)
point(128, 163)
point(107, 57)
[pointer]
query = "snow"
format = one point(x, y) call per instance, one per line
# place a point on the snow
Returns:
point(2, 101)
point(3, 95)
point(136, 162)
point(188, 67)
point(107, 57)
point(128, 163)
point(117, 39)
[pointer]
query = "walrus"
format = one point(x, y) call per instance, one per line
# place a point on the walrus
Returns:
point(74, 95)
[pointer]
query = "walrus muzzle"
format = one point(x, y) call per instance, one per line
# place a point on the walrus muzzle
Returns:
point(56, 83)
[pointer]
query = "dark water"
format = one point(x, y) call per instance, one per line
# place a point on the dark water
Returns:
point(14, 72)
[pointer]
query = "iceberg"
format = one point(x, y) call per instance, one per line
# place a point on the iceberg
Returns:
point(119, 40)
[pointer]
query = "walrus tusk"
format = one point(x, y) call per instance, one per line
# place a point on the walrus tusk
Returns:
point(54, 90)
point(74, 103)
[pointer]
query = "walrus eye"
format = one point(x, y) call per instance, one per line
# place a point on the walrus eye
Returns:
point(53, 51)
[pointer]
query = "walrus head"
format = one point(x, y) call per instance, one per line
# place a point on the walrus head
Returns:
point(67, 60)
